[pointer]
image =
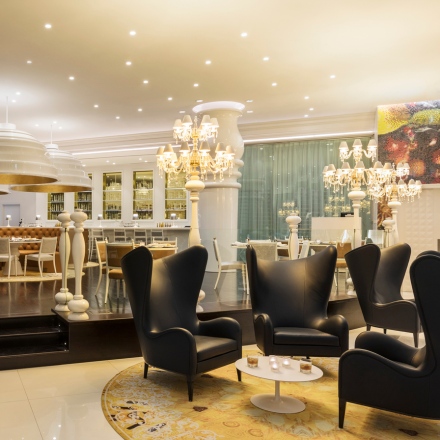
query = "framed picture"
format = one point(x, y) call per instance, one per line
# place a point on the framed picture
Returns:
point(410, 133)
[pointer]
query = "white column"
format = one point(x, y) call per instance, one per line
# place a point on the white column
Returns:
point(194, 186)
point(356, 196)
point(293, 221)
point(64, 296)
point(218, 205)
point(388, 225)
point(78, 305)
point(394, 204)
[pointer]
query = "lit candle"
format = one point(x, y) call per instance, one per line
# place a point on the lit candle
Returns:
point(272, 359)
point(286, 362)
point(274, 366)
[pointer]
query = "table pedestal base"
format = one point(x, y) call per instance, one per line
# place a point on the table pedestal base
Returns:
point(14, 264)
point(277, 403)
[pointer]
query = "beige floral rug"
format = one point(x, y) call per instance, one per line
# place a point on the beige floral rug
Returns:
point(158, 408)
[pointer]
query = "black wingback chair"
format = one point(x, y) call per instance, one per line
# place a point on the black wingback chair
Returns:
point(289, 305)
point(377, 278)
point(384, 373)
point(163, 297)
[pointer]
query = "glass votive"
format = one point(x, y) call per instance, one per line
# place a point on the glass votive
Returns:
point(252, 361)
point(272, 359)
point(275, 366)
point(286, 362)
point(305, 366)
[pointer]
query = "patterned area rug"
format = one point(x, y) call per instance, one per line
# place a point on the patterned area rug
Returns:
point(158, 408)
point(32, 277)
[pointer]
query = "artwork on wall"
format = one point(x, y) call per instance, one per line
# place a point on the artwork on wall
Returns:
point(410, 133)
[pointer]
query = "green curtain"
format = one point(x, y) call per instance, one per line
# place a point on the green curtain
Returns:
point(288, 172)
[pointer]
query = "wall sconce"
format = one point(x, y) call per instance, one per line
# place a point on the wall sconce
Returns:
point(8, 218)
point(100, 220)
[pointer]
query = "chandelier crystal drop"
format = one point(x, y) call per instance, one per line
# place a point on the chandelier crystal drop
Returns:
point(200, 159)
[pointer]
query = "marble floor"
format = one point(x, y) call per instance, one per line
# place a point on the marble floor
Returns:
point(63, 402)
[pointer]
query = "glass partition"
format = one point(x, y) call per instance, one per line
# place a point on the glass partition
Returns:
point(143, 194)
point(112, 196)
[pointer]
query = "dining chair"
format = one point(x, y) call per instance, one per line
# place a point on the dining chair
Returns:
point(114, 253)
point(5, 254)
point(228, 265)
point(101, 253)
point(47, 252)
point(305, 248)
point(265, 250)
point(342, 248)
point(120, 235)
point(94, 234)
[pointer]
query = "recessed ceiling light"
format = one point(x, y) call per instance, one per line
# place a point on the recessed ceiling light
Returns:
point(14, 100)
point(145, 160)
point(71, 78)
point(114, 163)
point(274, 84)
point(96, 106)
point(37, 125)
point(170, 98)
point(145, 81)
point(306, 116)
point(139, 109)
point(29, 62)
point(250, 111)
point(118, 117)
point(132, 33)
point(107, 161)
point(311, 109)
point(306, 97)
point(60, 128)
point(128, 63)
point(83, 164)
point(199, 100)
point(140, 158)
point(244, 34)
point(332, 76)
point(196, 85)
point(266, 59)
point(182, 111)
point(48, 26)
point(18, 93)
point(208, 62)
point(250, 100)
point(54, 122)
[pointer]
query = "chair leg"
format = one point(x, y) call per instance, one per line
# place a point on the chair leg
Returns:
point(416, 339)
point(40, 264)
point(238, 375)
point(25, 264)
point(107, 282)
point(123, 289)
point(190, 383)
point(117, 288)
point(54, 266)
point(9, 268)
point(218, 277)
point(99, 281)
point(145, 370)
point(368, 327)
point(342, 405)
point(384, 331)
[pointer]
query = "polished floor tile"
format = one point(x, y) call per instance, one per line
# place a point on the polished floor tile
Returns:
point(17, 422)
point(66, 380)
point(11, 387)
point(122, 364)
point(76, 417)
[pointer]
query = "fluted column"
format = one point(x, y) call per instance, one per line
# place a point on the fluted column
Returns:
point(394, 204)
point(388, 225)
point(356, 196)
point(78, 305)
point(64, 296)
point(218, 206)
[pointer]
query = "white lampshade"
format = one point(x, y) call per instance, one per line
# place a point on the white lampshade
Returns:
point(71, 175)
point(23, 158)
point(4, 189)
point(99, 216)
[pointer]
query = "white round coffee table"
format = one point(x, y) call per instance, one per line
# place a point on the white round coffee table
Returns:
point(276, 402)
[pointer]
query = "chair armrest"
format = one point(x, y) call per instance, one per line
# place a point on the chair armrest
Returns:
point(408, 305)
point(221, 328)
point(263, 332)
point(360, 360)
point(335, 325)
point(388, 347)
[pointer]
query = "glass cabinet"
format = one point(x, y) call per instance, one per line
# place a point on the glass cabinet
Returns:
point(83, 200)
point(143, 194)
point(175, 198)
point(55, 205)
point(112, 196)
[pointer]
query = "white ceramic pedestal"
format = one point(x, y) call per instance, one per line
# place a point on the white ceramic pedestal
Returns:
point(78, 305)
point(293, 221)
point(64, 296)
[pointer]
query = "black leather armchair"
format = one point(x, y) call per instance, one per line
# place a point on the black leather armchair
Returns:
point(289, 304)
point(163, 297)
point(384, 373)
point(377, 278)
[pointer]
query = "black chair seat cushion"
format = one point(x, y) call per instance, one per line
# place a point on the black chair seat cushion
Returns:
point(208, 346)
point(303, 336)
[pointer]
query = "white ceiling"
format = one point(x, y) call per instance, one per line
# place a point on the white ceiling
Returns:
point(381, 52)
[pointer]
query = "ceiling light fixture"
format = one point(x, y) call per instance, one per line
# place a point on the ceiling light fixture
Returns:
point(24, 159)
point(332, 76)
point(128, 63)
point(250, 100)
point(208, 62)
point(71, 78)
point(132, 33)
point(266, 59)
point(118, 117)
point(274, 84)
point(199, 100)
point(306, 97)
point(29, 62)
point(96, 106)
point(311, 109)
point(170, 98)
point(48, 26)
point(196, 85)
point(139, 109)
point(145, 81)
point(244, 34)
point(249, 111)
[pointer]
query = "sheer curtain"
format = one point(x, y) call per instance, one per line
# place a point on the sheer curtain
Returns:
point(290, 172)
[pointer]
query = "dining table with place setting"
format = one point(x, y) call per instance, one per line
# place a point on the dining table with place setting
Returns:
point(15, 243)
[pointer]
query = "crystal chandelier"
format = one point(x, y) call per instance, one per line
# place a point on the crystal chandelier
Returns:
point(288, 209)
point(198, 160)
point(386, 182)
point(352, 178)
